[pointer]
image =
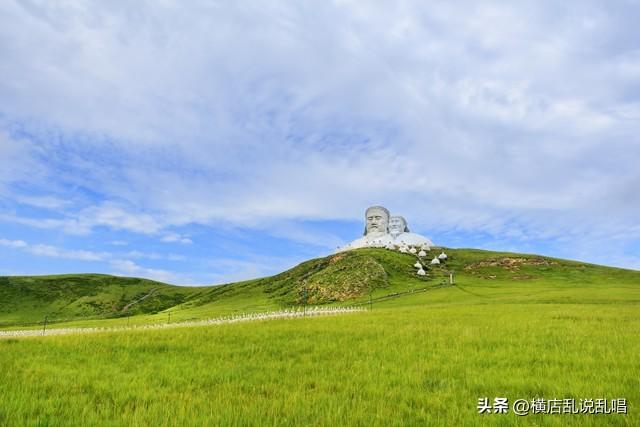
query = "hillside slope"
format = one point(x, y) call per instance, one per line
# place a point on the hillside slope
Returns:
point(347, 278)
point(27, 299)
point(338, 277)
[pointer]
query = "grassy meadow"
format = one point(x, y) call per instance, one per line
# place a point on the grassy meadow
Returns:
point(515, 326)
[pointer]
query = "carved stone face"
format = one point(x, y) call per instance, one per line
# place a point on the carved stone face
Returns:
point(397, 225)
point(377, 221)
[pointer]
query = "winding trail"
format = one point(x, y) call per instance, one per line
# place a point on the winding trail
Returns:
point(283, 314)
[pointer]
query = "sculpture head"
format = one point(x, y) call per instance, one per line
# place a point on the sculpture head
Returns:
point(397, 225)
point(376, 220)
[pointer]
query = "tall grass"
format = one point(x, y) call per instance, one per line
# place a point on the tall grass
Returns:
point(539, 329)
point(406, 365)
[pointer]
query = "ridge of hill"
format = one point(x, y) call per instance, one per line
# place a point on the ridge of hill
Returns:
point(27, 299)
point(346, 278)
point(335, 278)
point(355, 277)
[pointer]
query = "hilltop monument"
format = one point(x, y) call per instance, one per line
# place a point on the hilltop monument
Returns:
point(399, 230)
point(385, 230)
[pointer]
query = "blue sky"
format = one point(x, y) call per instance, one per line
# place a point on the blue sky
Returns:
point(203, 142)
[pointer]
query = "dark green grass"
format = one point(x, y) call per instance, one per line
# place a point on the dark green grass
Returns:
point(25, 300)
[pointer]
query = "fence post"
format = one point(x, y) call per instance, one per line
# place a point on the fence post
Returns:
point(305, 295)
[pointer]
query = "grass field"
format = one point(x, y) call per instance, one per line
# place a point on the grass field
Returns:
point(514, 326)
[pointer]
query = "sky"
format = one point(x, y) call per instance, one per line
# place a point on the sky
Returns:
point(204, 142)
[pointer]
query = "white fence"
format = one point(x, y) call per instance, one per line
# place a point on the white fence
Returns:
point(282, 314)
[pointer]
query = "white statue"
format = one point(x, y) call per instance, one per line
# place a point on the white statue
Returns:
point(376, 230)
point(385, 231)
point(399, 230)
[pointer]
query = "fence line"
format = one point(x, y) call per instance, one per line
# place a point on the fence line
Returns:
point(399, 294)
point(282, 314)
point(287, 313)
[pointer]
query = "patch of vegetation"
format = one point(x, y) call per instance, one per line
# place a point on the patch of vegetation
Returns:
point(339, 277)
point(336, 278)
point(28, 299)
point(343, 279)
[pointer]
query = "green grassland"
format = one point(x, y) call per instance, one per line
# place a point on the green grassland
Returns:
point(513, 325)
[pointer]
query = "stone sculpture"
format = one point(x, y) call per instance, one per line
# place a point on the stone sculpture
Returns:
point(397, 225)
point(376, 230)
point(399, 230)
point(385, 231)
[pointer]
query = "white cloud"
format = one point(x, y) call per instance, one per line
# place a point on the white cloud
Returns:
point(115, 261)
point(230, 270)
point(107, 214)
point(18, 244)
point(112, 215)
point(16, 160)
point(53, 251)
point(69, 225)
point(130, 268)
point(83, 255)
point(175, 237)
point(510, 119)
point(46, 202)
point(154, 256)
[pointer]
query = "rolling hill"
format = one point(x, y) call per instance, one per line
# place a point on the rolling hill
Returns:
point(27, 299)
point(348, 278)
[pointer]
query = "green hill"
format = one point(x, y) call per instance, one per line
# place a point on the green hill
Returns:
point(82, 297)
point(335, 278)
point(27, 299)
point(347, 278)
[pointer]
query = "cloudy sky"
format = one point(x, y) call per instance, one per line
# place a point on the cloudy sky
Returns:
point(201, 142)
